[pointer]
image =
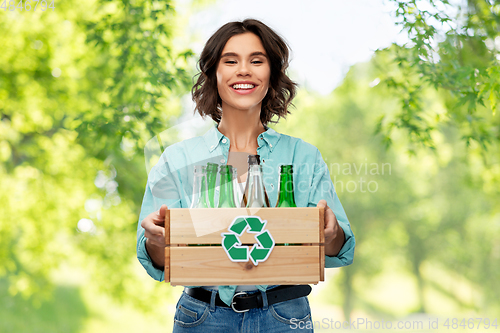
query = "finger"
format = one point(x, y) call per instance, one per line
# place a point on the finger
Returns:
point(332, 227)
point(155, 238)
point(155, 230)
point(322, 203)
point(159, 217)
point(329, 223)
point(162, 211)
point(159, 221)
point(329, 218)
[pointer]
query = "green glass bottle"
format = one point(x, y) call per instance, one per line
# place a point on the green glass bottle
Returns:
point(226, 197)
point(211, 182)
point(203, 203)
point(285, 191)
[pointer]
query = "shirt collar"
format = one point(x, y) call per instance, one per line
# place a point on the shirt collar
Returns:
point(270, 137)
point(213, 138)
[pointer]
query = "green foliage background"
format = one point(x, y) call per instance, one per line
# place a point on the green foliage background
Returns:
point(411, 140)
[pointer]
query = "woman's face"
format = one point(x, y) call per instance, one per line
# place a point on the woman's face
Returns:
point(243, 73)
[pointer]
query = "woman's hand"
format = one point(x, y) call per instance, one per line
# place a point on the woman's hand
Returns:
point(154, 231)
point(334, 235)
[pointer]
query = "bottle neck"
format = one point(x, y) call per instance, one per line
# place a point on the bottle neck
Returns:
point(286, 197)
point(199, 196)
point(204, 202)
point(226, 198)
point(256, 196)
point(211, 182)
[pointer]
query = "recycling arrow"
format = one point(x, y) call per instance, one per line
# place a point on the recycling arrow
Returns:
point(234, 250)
point(241, 253)
point(240, 223)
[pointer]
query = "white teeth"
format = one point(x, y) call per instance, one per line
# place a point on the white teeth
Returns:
point(243, 86)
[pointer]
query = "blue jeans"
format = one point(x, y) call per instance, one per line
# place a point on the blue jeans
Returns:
point(192, 315)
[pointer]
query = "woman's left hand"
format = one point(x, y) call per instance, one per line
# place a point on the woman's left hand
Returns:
point(334, 235)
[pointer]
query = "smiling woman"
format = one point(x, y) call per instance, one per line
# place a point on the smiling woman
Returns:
point(242, 85)
point(228, 49)
point(243, 74)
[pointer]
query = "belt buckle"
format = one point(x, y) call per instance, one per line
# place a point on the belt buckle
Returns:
point(233, 302)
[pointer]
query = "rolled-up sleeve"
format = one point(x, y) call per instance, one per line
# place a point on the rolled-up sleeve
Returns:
point(322, 188)
point(142, 254)
point(161, 188)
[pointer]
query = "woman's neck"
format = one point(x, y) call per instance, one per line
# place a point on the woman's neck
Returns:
point(242, 129)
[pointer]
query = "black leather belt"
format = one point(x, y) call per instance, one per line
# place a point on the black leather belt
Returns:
point(243, 302)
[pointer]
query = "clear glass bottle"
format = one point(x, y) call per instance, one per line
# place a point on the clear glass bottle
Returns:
point(255, 193)
point(286, 197)
point(236, 187)
point(226, 197)
point(199, 199)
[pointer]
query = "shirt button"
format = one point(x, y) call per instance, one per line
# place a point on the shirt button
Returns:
point(270, 145)
point(212, 147)
point(224, 140)
point(263, 161)
point(222, 161)
point(272, 186)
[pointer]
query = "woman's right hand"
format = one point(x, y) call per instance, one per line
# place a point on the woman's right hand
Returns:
point(154, 231)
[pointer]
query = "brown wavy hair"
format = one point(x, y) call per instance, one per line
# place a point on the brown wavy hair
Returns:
point(281, 90)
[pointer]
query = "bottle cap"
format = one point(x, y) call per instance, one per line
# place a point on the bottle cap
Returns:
point(253, 159)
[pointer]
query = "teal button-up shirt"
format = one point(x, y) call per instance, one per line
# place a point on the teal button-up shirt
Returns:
point(170, 182)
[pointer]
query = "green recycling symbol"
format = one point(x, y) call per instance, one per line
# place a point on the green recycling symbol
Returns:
point(241, 253)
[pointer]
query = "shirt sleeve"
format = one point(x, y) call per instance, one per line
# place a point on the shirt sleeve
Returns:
point(322, 188)
point(161, 188)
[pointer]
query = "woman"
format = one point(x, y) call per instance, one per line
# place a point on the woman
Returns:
point(242, 86)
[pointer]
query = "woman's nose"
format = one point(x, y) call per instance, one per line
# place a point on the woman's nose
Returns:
point(243, 69)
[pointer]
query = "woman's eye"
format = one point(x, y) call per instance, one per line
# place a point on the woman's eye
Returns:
point(256, 62)
point(230, 62)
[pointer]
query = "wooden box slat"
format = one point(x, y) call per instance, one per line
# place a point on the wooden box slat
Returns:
point(195, 226)
point(322, 241)
point(167, 245)
point(203, 266)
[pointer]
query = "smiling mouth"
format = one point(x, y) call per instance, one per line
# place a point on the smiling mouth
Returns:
point(245, 86)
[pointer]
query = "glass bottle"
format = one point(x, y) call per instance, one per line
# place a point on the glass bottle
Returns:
point(285, 191)
point(255, 193)
point(236, 187)
point(211, 182)
point(226, 197)
point(199, 197)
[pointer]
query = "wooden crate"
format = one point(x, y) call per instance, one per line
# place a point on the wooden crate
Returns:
point(208, 264)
